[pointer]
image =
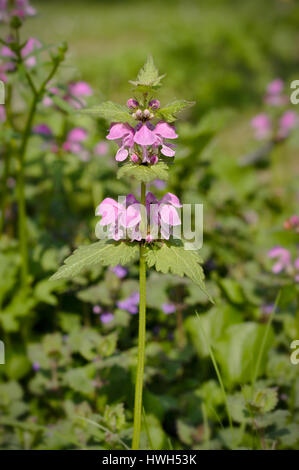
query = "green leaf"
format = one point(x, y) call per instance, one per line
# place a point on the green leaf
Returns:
point(213, 325)
point(106, 253)
point(238, 350)
point(148, 76)
point(17, 366)
point(167, 257)
point(110, 111)
point(80, 380)
point(144, 173)
point(169, 112)
point(265, 399)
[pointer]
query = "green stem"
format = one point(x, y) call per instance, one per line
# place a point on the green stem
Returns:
point(21, 194)
point(141, 341)
point(22, 225)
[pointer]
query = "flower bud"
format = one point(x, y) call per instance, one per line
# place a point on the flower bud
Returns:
point(154, 104)
point(146, 113)
point(132, 104)
point(154, 159)
point(138, 114)
point(15, 22)
point(134, 158)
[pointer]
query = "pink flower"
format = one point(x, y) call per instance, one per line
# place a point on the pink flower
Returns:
point(123, 218)
point(27, 53)
point(74, 141)
point(275, 87)
point(274, 94)
point(76, 92)
point(124, 134)
point(97, 309)
point(262, 125)
point(287, 122)
point(22, 8)
point(144, 135)
point(78, 134)
point(101, 148)
point(163, 213)
point(119, 217)
point(284, 259)
point(150, 139)
point(79, 89)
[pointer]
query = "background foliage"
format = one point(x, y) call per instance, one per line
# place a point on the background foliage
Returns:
point(69, 374)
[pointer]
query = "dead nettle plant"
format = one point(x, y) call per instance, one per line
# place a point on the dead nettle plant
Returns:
point(132, 230)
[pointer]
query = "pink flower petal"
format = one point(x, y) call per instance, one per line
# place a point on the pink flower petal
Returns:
point(119, 130)
point(169, 215)
point(167, 151)
point(172, 199)
point(121, 154)
point(165, 130)
point(144, 136)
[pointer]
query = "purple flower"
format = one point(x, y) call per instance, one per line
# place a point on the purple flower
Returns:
point(262, 126)
point(107, 317)
point(168, 308)
point(120, 271)
point(154, 104)
point(159, 184)
point(97, 309)
point(130, 304)
point(42, 129)
point(132, 104)
point(267, 309)
point(35, 366)
point(283, 259)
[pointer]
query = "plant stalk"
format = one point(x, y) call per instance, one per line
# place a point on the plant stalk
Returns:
point(141, 341)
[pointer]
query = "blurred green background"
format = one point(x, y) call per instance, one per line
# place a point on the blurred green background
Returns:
point(62, 361)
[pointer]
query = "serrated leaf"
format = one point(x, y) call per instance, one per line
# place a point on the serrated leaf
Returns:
point(148, 75)
point(144, 173)
point(106, 253)
point(169, 112)
point(110, 111)
point(167, 257)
